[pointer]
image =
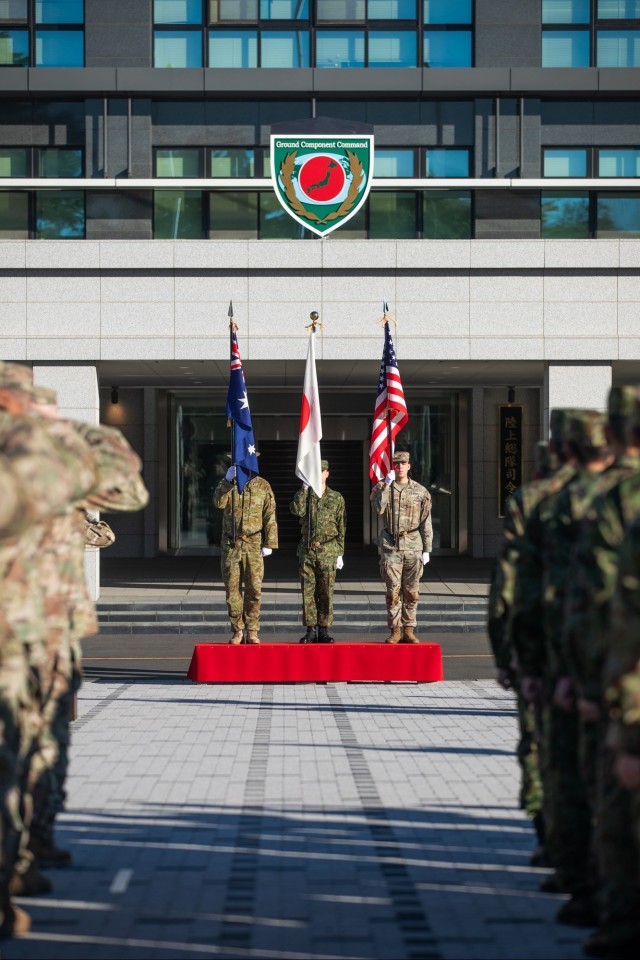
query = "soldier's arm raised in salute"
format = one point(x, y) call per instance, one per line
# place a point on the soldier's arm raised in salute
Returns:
point(222, 494)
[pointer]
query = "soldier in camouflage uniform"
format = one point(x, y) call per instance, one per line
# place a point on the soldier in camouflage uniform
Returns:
point(52, 473)
point(256, 536)
point(320, 553)
point(404, 544)
point(518, 508)
point(542, 577)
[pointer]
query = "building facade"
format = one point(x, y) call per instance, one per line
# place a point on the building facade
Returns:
point(503, 229)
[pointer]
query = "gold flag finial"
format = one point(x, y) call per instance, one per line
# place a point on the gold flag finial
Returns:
point(232, 324)
point(314, 316)
point(387, 316)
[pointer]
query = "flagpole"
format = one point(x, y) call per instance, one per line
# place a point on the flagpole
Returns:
point(232, 326)
point(385, 310)
point(314, 317)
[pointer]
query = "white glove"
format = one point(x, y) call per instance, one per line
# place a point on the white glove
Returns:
point(231, 473)
point(305, 486)
point(425, 559)
point(390, 477)
point(339, 563)
point(265, 551)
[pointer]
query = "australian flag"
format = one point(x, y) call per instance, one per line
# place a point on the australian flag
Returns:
point(243, 455)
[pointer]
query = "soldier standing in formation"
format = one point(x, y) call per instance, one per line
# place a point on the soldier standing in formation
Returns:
point(404, 544)
point(249, 534)
point(320, 554)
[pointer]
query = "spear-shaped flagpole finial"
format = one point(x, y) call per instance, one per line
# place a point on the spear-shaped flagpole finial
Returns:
point(230, 314)
point(385, 307)
point(232, 324)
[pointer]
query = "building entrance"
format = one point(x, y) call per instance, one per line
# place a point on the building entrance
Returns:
point(200, 440)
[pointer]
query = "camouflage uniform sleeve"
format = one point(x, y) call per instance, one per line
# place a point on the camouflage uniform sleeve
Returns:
point(341, 523)
point(269, 523)
point(496, 621)
point(426, 527)
point(622, 667)
point(562, 533)
point(120, 487)
point(298, 505)
point(526, 622)
point(222, 494)
point(380, 497)
point(13, 515)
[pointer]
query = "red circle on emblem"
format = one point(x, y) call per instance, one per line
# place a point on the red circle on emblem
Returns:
point(322, 178)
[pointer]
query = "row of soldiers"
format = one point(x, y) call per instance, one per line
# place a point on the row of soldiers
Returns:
point(52, 472)
point(564, 624)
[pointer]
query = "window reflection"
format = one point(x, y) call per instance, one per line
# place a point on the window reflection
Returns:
point(284, 48)
point(447, 163)
point(178, 163)
point(340, 48)
point(619, 163)
point(447, 48)
point(566, 11)
point(14, 216)
point(59, 11)
point(347, 10)
point(177, 49)
point(618, 215)
point(388, 49)
point(394, 163)
point(618, 48)
point(284, 9)
point(447, 214)
point(565, 163)
point(14, 162)
point(565, 48)
point(59, 214)
point(177, 11)
point(177, 214)
point(447, 11)
point(233, 48)
point(564, 216)
point(233, 216)
point(232, 163)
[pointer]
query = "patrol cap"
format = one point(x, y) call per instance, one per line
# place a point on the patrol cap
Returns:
point(324, 464)
point(15, 376)
point(557, 424)
point(585, 429)
point(621, 400)
point(401, 456)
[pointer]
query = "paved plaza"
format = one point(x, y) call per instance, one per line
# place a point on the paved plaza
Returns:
point(343, 821)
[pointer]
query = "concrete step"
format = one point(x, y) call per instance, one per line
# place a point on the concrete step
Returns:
point(283, 628)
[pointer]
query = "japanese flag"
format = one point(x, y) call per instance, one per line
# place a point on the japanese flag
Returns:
point(308, 459)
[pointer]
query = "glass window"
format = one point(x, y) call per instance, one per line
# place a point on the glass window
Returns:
point(447, 214)
point(447, 48)
point(447, 163)
point(564, 216)
point(392, 215)
point(228, 11)
point(59, 214)
point(394, 163)
point(618, 48)
point(387, 49)
point(13, 10)
point(59, 162)
point(275, 223)
point(177, 11)
point(59, 48)
point(566, 11)
point(447, 11)
point(392, 10)
point(565, 48)
point(565, 163)
point(14, 48)
point(233, 48)
point(618, 9)
point(14, 162)
point(178, 163)
point(349, 10)
point(59, 11)
point(14, 216)
point(340, 48)
point(284, 48)
point(618, 215)
point(284, 9)
point(177, 214)
point(233, 163)
point(175, 48)
point(619, 163)
point(233, 216)
point(356, 227)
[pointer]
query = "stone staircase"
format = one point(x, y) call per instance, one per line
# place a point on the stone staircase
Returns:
point(365, 613)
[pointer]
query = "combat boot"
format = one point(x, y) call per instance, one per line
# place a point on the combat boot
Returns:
point(323, 635)
point(394, 636)
point(237, 637)
point(31, 883)
point(310, 636)
point(252, 637)
point(16, 920)
point(409, 636)
point(46, 852)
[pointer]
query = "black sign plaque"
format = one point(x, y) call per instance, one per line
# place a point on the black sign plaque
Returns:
point(509, 452)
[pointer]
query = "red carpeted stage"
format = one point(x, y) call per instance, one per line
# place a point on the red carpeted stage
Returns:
point(316, 663)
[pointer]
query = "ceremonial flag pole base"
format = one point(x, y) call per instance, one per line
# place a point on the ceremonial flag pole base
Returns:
point(316, 663)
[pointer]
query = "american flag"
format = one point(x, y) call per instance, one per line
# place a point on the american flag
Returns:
point(390, 397)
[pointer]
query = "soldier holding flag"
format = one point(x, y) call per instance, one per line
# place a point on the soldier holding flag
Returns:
point(249, 528)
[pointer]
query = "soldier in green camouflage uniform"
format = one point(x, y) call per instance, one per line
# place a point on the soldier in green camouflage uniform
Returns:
point(256, 535)
point(542, 577)
point(51, 473)
point(320, 553)
point(518, 508)
point(404, 545)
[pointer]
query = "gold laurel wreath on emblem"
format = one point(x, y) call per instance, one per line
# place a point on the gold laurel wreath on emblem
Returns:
point(286, 172)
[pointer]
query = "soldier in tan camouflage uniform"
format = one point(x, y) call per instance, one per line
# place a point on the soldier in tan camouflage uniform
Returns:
point(256, 536)
point(404, 544)
point(320, 554)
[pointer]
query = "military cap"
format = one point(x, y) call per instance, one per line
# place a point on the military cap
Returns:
point(15, 376)
point(585, 429)
point(401, 456)
point(557, 424)
point(324, 464)
point(621, 400)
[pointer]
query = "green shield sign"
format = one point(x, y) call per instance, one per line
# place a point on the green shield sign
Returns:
point(321, 181)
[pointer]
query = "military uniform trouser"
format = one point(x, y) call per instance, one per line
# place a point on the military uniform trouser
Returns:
point(318, 577)
point(567, 814)
point(243, 572)
point(401, 572)
point(527, 754)
point(618, 856)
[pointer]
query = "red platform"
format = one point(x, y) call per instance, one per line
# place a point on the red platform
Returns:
point(315, 663)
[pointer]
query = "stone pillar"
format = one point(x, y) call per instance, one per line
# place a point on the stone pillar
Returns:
point(576, 384)
point(78, 399)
